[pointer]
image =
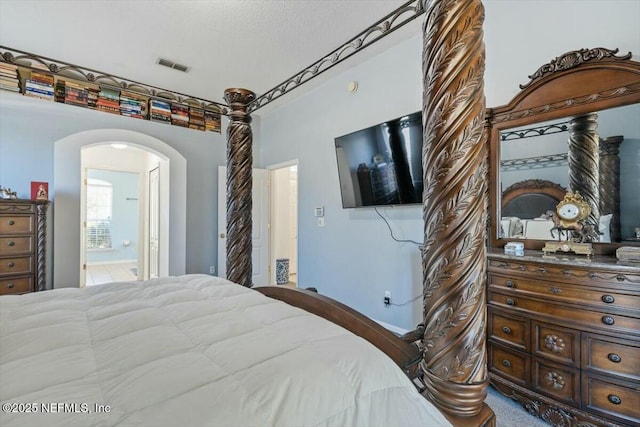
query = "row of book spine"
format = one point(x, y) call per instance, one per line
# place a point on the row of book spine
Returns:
point(9, 77)
point(41, 84)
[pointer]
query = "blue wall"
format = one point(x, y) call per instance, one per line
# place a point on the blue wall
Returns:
point(124, 220)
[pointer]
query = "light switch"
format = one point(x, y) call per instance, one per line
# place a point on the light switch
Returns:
point(319, 211)
point(321, 222)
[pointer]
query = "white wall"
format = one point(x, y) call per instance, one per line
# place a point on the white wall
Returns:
point(353, 258)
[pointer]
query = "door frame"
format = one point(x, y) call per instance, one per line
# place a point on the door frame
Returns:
point(143, 212)
point(272, 256)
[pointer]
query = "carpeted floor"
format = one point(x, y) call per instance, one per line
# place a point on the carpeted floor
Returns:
point(509, 413)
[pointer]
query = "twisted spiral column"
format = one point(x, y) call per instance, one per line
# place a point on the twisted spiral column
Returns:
point(41, 245)
point(239, 183)
point(454, 160)
point(609, 182)
point(584, 162)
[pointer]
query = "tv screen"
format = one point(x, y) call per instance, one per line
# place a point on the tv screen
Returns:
point(382, 164)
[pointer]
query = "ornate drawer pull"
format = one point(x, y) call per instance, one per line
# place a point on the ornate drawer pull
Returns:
point(615, 358)
point(542, 270)
point(620, 278)
point(11, 243)
point(608, 320)
point(510, 284)
point(555, 380)
point(554, 343)
point(11, 222)
point(567, 272)
point(11, 264)
point(523, 267)
point(10, 285)
point(614, 399)
point(506, 329)
point(506, 363)
point(511, 301)
point(608, 299)
point(555, 290)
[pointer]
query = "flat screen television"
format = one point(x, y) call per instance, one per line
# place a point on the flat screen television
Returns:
point(382, 164)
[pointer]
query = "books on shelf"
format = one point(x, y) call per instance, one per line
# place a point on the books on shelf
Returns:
point(39, 85)
point(212, 121)
point(159, 111)
point(196, 118)
point(108, 100)
point(179, 115)
point(9, 77)
point(133, 105)
point(37, 81)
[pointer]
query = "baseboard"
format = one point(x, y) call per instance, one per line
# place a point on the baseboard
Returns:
point(395, 329)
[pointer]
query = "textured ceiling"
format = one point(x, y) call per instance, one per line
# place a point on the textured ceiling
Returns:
point(226, 43)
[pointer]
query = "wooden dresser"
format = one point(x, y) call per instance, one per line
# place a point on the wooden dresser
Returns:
point(23, 237)
point(564, 336)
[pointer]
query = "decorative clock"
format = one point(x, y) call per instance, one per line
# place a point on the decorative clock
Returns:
point(570, 216)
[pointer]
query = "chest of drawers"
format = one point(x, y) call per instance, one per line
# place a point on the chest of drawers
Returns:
point(22, 246)
point(564, 337)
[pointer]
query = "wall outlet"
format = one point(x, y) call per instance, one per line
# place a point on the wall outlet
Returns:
point(212, 269)
point(387, 297)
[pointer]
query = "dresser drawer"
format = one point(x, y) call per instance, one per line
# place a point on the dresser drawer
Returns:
point(18, 285)
point(16, 245)
point(16, 265)
point(563, 274)
point(611, 356)
point(510, 329)
point(559, 344)
point(574, 294)
point(558, 382)
point(16, 224)
point(509, 363)
point(611, 398)
point(575, 315)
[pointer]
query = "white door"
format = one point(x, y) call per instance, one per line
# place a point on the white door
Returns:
point(83, 228)
point(154, 222)
point(260, 230)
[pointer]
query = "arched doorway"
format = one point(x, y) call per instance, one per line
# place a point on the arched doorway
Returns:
point(67, 207)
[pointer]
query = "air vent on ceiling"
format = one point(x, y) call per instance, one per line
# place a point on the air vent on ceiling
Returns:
point(173, 65)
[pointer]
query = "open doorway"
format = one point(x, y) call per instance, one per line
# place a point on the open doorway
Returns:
point(284, 223)
point(119, 211)
point(111, 226)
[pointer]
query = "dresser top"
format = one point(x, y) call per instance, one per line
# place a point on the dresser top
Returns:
point(597, 261)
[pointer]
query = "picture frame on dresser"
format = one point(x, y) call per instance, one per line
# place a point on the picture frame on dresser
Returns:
point(563, 335)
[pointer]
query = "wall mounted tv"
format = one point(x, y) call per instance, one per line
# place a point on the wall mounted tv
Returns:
point(382, 164)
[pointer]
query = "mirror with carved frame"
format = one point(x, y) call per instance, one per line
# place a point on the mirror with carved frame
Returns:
point(581, 107)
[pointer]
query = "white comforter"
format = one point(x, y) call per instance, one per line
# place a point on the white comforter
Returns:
point(194, 350)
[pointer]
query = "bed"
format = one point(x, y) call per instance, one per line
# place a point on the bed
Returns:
point(191, 350)
point(448, 367)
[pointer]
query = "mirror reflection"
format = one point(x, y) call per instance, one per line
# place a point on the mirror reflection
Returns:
point(596, 154)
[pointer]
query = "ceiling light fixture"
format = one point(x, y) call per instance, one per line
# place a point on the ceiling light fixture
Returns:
point(119, 146)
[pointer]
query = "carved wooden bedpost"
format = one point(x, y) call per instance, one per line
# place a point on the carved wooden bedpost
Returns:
point(239, 180)
point(584, 160)
point(609, 176)
point(455, 207)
